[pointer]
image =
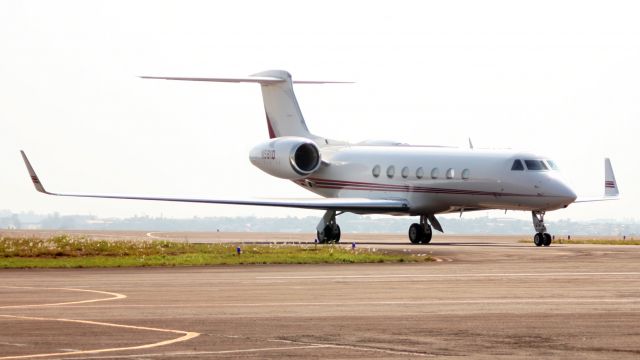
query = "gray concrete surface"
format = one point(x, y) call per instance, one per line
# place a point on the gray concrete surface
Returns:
point(487, 298)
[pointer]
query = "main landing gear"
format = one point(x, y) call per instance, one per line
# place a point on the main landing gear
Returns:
point(542, 237)
point(328, 230)
point(420, 233)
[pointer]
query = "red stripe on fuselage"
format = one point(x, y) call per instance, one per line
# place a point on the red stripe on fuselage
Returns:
point(364, 186)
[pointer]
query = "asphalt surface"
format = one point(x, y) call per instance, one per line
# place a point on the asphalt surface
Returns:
point(485, 298)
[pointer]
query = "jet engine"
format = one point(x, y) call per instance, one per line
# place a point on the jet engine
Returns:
point(288, 157)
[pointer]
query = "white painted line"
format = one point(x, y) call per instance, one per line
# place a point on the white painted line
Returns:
point(388, 276)
point(360, 348)
point(114, 296)
point(12, 344)
point(353, 303)
point(310, 346)
point(187, 354)
point(187, 335)
point(150, 234)
point(386, 351)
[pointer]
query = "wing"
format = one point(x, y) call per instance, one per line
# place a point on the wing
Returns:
point(340, 204)
point(611, 191)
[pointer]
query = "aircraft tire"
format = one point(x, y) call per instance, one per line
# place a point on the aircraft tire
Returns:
point(547, 239)
point(416, 233)
point(320, 237)
point(427, 234)
point(326, 235)
point(538, 239)
point(336, 234)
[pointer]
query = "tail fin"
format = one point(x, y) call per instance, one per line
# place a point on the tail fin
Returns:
point(610, 185)
point(284, 117)
point(611, 191)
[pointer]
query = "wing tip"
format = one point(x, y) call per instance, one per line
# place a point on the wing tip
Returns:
point(32, 174)
point(610, 184)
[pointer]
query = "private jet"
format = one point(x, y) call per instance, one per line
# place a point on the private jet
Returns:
point(387, 177)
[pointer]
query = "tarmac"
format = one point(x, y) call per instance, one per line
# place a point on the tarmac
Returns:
point(484, 298)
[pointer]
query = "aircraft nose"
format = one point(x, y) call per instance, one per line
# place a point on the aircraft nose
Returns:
point(564, 192)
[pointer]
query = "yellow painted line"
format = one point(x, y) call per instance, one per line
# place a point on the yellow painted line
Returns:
point(187, 335)
point(113, 296)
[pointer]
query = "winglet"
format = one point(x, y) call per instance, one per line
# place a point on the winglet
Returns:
point(610, 185)
point(32, 174)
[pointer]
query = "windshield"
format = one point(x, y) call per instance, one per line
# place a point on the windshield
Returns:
point(536, 165)
point(553, 165)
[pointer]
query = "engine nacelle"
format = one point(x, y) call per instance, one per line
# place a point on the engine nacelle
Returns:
point(288, 157)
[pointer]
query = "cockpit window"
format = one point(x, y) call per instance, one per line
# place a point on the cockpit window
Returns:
point(517, 165)
point(552, 165)
point(536, 165)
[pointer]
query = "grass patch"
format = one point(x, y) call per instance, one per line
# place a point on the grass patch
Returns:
point(78, 252)
point(592, 241)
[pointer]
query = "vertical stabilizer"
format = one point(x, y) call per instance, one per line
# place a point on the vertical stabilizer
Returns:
point(284, 117)
point(610, 185)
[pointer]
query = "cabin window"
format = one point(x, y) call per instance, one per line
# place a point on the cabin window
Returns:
point(465, 174)
point(451, 173)
point(435, 173)
point(391, 170)
point(405, 172)
point(376, 171)
point(535, 165)
point(517, 165)
point(419, 173)
point(553, 165)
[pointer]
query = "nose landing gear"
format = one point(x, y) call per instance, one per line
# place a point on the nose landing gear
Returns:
point(542, 237)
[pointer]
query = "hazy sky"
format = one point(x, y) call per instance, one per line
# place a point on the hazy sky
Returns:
point(558, 77)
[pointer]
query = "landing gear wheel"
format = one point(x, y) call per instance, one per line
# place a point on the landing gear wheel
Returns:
point(325, 235)
point(547, 239)
point(420, 234)
point(416, 233)
point(427, 234)
point(329, 234)
point(328, 230)
point(538, 239)
point(321, 236)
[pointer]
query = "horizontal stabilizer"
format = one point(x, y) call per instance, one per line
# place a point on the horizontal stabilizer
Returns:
point(252, 79)
point(282, 111)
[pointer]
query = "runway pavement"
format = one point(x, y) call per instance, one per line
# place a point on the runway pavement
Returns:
point(488, 297)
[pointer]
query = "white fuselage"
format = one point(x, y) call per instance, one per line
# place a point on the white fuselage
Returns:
point(439, 180)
